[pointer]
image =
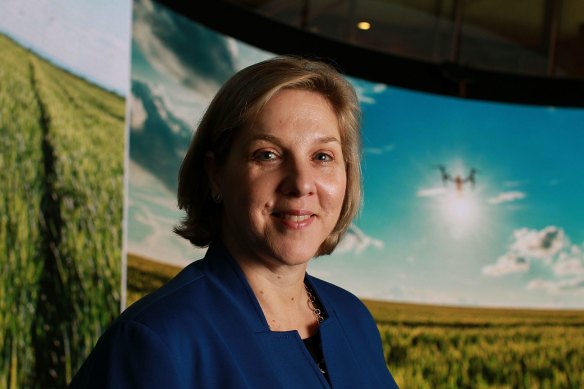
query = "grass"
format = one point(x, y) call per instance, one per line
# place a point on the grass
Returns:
point(146, 275)
point(61, 207)
point(452, 347)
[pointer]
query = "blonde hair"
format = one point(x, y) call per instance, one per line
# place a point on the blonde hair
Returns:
point(236, 105)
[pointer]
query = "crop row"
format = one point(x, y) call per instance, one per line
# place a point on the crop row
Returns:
point(514, 357)
point(21, 186)
point(61, 171)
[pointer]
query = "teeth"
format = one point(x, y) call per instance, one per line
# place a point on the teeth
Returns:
point(294, 218)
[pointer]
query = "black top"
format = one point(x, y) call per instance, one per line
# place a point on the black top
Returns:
point(314, 347)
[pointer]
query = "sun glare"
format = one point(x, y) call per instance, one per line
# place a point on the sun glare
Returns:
point(460, 211)
point(457, 204)
point(460, 208)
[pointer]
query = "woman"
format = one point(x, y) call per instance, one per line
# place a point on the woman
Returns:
point(271, 180)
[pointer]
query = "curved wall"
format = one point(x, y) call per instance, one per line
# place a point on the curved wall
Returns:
point(446, 78)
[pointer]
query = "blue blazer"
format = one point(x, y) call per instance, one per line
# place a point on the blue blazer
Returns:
point(205, 329)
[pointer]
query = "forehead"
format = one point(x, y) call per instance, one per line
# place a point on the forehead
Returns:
point(299, 111)
point(293, 95)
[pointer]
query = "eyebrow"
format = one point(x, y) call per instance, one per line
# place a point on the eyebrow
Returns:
point(273, 139)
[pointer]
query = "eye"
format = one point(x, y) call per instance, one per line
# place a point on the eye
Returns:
point(264, 155)
point(323, 157)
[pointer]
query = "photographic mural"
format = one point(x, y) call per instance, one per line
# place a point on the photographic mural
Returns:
point(469, 249)
point(63, 82)
point(466, 202)
point(469, 246)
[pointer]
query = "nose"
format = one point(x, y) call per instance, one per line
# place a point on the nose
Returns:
point(298, 178)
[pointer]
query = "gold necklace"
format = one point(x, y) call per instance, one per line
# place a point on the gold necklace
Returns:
point(312, 305)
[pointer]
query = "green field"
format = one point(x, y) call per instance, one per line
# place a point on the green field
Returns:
point(430, 346)
point(61, 208)
point(436, 346)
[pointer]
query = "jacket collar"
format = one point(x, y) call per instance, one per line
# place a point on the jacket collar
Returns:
point(226, 272)
point(223, 270)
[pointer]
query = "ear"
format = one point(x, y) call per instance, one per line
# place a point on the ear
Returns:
point(213, 172)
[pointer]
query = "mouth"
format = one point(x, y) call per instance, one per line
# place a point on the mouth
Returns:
point(292, 218)
point(295, 219)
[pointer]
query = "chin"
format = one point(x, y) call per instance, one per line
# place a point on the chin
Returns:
point(294, 256)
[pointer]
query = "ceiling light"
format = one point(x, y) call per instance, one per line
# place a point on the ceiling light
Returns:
point(363, 25)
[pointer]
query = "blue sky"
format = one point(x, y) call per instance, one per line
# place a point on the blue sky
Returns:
point(89, 38)
point(514, 239)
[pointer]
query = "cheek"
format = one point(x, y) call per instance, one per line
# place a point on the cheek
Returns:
point(333, 191)
point(237, 191)
point(252, 193)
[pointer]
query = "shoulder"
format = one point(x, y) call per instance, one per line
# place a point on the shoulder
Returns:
point(181, 288)
point(157, 330)
point(359, 329)
point(333, 294)
point(125, 355)
point(181, 309)
point(347, 306)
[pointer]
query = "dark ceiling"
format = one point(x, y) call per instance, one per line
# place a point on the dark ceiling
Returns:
point(518, 51)
point(526, 37)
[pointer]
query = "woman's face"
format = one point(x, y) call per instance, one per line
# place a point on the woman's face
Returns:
point(283, 183)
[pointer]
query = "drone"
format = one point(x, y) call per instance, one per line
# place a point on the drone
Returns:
point(459, 181)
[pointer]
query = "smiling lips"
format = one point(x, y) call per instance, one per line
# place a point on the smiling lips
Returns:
point(295, 219)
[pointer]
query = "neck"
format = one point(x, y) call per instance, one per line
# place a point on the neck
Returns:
point(280, 291)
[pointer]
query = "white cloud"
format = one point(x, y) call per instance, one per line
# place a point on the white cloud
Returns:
point(570, 264)
point(575, 284)
point(138, 113)
point(90, 38)
point(379, 88)
point(506, 197)
point(356, 241)
point(431, 192)
point(153, 209)
point(378, 150)
point(401, 292)
point(158, 53)
point(365, 92)
point(529, 245)
point(159, 37)
point(161, 244)
point(184, 102)
point(552, 249)
point(507, 264)
point(541, 244)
